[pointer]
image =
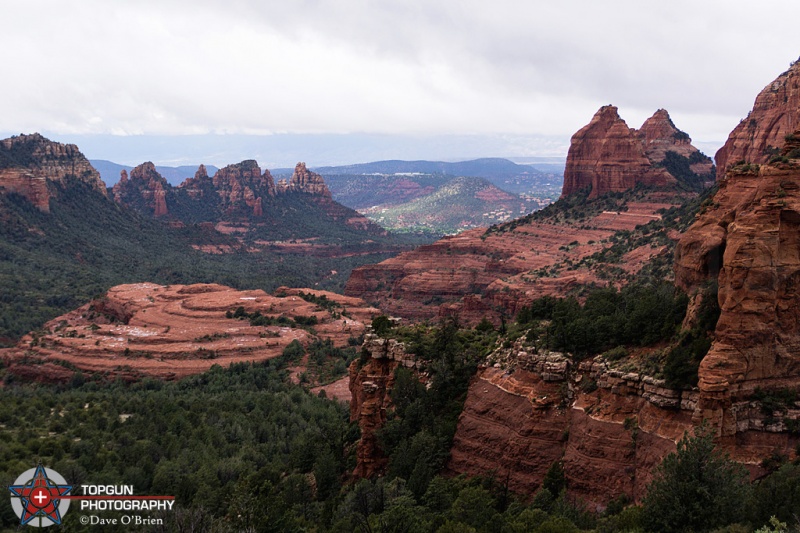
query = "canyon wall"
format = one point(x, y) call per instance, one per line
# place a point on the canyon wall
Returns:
point(29, 162)
point(760, 135)
point(371, 382)
point(609, 427)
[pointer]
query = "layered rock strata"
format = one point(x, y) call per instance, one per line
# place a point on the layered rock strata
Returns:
point(609, 428)
point(371, 382)
point(748, 239)
point(608, 156)
point(29, 162)
point(176, 330)
point(761, 135)
point(476, 274)
point(479, 273)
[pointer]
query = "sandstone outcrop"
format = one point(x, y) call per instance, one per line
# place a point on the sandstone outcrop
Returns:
point(762, 133)
point(371, 383)
point(199, 186)
point(172, 331)
point(609, 428)
point(238, 193)
point(243, 184)
point(145, 188)
point(608, 156)
point(749, 240)
point(488, 273)
point(303, 180)
point(478, 273)
point(29, 162)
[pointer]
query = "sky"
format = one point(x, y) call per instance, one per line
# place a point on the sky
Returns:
point(354, 80)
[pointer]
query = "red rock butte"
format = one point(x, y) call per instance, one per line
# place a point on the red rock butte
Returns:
point(42, 161)
point(608, 156)
point(477, 273)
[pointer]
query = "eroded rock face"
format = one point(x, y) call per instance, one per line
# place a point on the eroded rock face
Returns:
point(145, 187)
point(177, 330)
point(474, 273)
point(605, 155)
point(28, 162)
point(477, 273)
point(371, 384)
point(198, 186)
point(749, 239)
point(608, 156)
point(762, 133)
point(303, 180)
point(244, 184)
point(608, 428)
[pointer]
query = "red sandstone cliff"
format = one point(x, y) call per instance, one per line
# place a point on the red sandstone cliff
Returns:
point(479, 273)
point(144, 186)
point(608, 156)
point(371, 383)
point(29, 162)
point(303, 180)
point(761, 134)
point(243, 184)
point(749, 239)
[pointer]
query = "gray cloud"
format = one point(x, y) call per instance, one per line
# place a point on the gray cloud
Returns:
point(398, 67)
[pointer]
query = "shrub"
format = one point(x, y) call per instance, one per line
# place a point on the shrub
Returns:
point(696, 488)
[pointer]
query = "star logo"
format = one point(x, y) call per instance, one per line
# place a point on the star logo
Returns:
point(36, 497)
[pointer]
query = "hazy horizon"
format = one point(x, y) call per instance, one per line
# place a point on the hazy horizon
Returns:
point(346, 82)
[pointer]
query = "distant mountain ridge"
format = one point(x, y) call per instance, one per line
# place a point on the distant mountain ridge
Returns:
point(503, 173)
point(110, 171)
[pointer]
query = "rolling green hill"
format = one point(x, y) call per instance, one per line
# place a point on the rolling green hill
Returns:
point(456, 205)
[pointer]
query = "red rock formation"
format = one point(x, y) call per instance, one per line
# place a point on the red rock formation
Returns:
point(608, 428)
point(747, 239)
point(371, 383)
point(145, 186)
point(243, 184)
point(370, 386)
point(476, 273)
point(761, 135)
point(303, 180)
point(27, 184)
point(28, 162)
point(608, 156)
point(750, 238)
point(605, 155)
point(197, 186)
point(177, 330)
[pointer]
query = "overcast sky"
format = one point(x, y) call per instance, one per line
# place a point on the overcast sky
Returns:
point(517, 69)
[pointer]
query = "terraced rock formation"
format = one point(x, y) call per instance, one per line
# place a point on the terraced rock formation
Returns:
point(172, 331)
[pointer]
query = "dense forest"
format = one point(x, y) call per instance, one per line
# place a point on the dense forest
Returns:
point(242, 450)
